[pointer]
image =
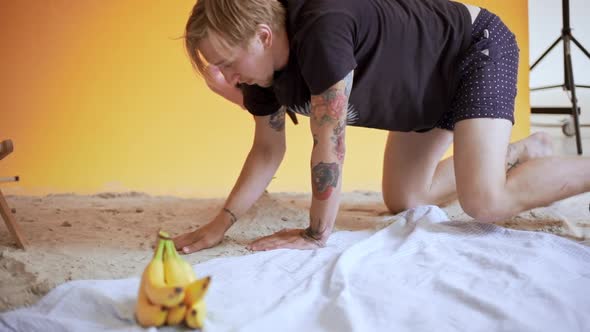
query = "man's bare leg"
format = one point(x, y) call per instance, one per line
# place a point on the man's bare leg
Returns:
point(488, 193)
point(414, 175)
point(537, 145)
point(412, 171)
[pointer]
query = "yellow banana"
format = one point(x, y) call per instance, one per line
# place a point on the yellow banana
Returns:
point(148, 314)
point(176, 314)
point(155, 285)
point(189, 273)
point(196, 290)
point(174, 269)
point(188, 270)
point(179, 272)
point(195, 315)
point(194, 299)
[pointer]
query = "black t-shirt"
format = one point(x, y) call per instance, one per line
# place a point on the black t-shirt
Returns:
point(404, 55)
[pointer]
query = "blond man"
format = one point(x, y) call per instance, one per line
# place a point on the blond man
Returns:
point(431, 72)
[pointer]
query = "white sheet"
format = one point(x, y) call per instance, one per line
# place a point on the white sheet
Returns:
point(422, 273)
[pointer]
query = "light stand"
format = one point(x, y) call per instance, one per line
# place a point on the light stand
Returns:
point(569, 84)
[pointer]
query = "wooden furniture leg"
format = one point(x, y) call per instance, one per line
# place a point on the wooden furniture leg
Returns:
point(11, 223)
point(6, 148)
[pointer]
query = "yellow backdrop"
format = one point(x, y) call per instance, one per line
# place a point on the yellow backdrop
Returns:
point(99, 95)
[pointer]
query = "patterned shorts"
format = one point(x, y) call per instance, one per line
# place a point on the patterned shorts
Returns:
point(488, 74)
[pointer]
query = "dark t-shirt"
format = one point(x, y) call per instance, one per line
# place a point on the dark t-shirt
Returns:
point(403, 52)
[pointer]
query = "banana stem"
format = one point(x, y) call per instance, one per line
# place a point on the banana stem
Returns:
point(170, 250)
point(175, 252)
point(160, 250)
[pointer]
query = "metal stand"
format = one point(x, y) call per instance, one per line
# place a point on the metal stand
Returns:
point(568, 85)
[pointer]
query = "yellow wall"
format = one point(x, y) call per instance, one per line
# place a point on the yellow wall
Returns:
point(98, 95)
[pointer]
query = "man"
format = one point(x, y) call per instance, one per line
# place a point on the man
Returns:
point(431, 72)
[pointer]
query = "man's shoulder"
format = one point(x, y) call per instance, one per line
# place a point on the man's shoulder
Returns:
point(302, 13)
point(314, 8)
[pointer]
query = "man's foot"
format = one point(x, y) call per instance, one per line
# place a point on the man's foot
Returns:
point(537, 145)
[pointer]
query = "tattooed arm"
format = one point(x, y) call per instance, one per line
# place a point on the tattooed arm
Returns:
point(328, 122)
point(261, 164)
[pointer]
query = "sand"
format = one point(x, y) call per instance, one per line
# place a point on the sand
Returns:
point(111, 235)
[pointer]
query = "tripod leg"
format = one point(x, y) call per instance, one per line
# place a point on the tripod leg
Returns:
point(570, 85)
point(580, 46)
point(546, 52)
point(567, 73)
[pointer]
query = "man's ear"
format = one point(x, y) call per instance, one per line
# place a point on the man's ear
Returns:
point(264, 33)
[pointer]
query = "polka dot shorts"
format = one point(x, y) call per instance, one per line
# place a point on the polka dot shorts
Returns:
point(488, 74)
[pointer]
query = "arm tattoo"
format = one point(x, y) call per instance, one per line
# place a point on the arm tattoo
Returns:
point(277, 120)
point(330, 109)
point(332, 105)
point(315, 232)
point(324, 179)
point(338, 140)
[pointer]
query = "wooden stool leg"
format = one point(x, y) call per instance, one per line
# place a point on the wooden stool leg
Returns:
point(11, 223)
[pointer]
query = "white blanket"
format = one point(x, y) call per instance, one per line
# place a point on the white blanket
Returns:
point(421, 273)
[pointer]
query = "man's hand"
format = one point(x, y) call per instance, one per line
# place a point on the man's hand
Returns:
point(207, 236)
point(287, 239)
point(217, 83)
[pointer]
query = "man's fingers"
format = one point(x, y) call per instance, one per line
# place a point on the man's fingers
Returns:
point(265, 243)
point(198, 245)
point(262, 239)
point(286, 238)
point(283, 245)
point(184, 240)
point(179, 242)
point(273, 242)
point(260, 244)
point(270, 241)
point(276, 235)
point(191, 243)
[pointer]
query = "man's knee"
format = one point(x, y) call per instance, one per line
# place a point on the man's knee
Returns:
point(399, 201)
point(483, 205)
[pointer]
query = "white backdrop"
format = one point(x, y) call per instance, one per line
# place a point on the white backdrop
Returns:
point(544, 28)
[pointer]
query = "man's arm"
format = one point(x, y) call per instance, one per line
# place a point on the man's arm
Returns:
point(264, 159)
point(261, 164)
point(329, 112)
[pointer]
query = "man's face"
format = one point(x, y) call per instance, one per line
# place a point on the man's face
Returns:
point(250, 64)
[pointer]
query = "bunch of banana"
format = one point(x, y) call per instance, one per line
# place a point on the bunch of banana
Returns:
point(169, 292)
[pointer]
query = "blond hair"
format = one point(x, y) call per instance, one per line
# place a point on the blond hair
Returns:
point(235, 21)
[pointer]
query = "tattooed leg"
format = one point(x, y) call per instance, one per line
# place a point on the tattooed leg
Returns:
point(537, 145)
